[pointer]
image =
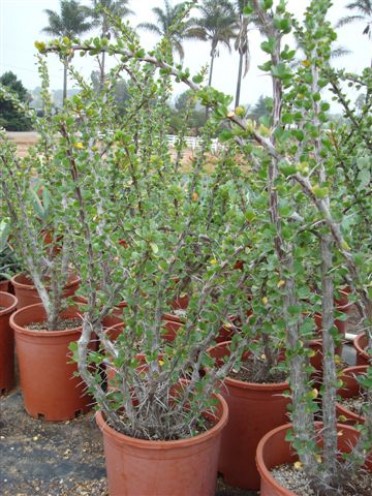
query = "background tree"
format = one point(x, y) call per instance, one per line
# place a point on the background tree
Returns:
point(103, 12)
point(187, 111)
point(242, 45)
point(262, 110)
point(120, 92)
point(217, 24)
point(11, 118)
point(72, 21)
point(169, 24)
point(365, 9)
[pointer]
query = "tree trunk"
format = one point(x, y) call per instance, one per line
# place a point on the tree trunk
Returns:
point(329, 367)
point(65, 67)
point(239, 81)
point(102, 70)
point(209, 82)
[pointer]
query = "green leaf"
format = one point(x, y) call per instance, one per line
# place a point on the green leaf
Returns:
point(281, 71)
point(320, 192)
point(198, 79)
point(269, 45)
point(226, 135)
point(288, 169)
point(154, 248)
point(248, 10)
point(267, 4)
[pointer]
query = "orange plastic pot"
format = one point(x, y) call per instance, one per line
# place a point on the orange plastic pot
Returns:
point(361, 345)
point(8, 304)
point(254, 409)
point(171, 325)
point(138, 467)
point(350, 389)
point(27, 294)
point(274, 450)
point(4, 286)
point(339, 324)
point(50, 389)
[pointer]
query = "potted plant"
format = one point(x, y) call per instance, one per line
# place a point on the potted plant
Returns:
point(303, 181)
point(24, 183)
point(181, 230)
point(8, 262)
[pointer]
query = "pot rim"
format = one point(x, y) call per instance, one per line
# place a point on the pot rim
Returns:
point(42, 332)
point(356, 341)
point(153, 445)
point(8, 309)
point(72, 280)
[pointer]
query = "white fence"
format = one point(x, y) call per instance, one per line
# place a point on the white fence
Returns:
point(194, 143)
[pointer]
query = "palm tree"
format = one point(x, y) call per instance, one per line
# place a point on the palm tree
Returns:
point(365, 14)
point(242, 46)
point(71, 22)
point(217, 24)
point(170, 24)
point(102, 12)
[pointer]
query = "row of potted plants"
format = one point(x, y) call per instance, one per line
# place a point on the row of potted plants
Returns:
point(255, 250)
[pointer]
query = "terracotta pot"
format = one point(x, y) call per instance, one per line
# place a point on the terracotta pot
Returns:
point(53, 244)
point(342, 302)
point(4, 286)
point(339, 324)
point(171, 325)
point(180, 303)
point(254, 409)
point(274, 450)
point(350, 389)
point(361, 345)
point(27, 294)
point(8, 304)
point(50, 389)
point(138, 467)
point(232, 326)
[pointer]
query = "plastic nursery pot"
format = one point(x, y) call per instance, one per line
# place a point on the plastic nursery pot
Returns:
point(5, 286)
point(361, 345)
point(229, 328)
point(8, 304)
point(350, 389)
point(171, 325)
point(273, 450)
point(47, 374)
point(27, 294)
point(138, 467)
point(342, 302)
point(339, 324)
point(254, 409)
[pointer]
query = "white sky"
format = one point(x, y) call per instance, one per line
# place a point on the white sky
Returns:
point(21, 22)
